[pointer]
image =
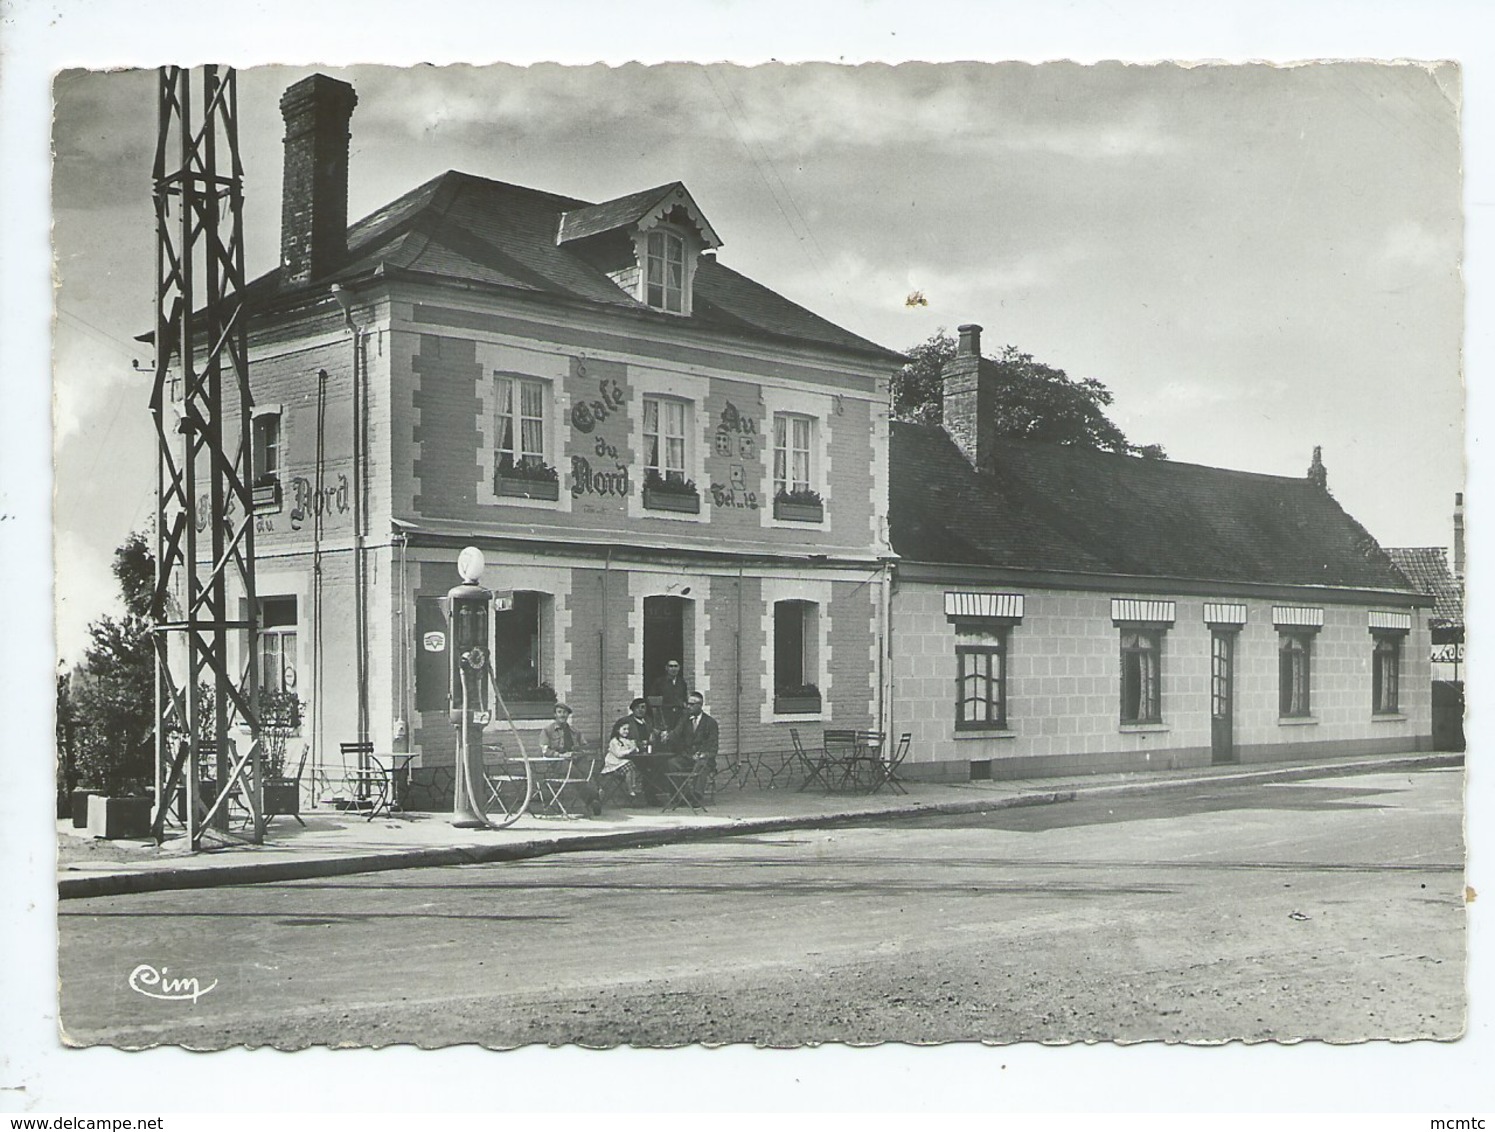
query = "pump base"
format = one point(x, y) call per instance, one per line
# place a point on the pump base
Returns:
point(471, 823)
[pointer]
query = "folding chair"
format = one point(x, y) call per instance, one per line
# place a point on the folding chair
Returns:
point(507, 784)
point(690, 786)
point(814, 768)
point(867, 761)
point(368, 779)
point(841, 753)
point(887, 769)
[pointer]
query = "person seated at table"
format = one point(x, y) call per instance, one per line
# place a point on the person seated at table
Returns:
point(695, 743)
point(560, 739)
point(632, 735)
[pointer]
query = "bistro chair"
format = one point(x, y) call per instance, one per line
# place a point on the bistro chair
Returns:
point(841, 754)
point(887, 769)
point(367, 778)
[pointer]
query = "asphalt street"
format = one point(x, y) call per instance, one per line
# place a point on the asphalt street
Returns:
point(1329, 909)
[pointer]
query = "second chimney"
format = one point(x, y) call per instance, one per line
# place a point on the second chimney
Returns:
point(968, 411)
point(314, 187)
point(1458, 535)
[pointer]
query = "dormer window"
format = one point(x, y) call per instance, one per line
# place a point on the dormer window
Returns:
point(648, 243)
point(665, 271)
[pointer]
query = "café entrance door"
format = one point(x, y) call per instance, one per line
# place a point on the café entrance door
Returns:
point(1222, 696)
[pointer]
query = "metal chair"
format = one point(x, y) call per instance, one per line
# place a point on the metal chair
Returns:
point(368, 778)
point(887, 769)
point(692, 786)
point(815, 767)
point(507, 781)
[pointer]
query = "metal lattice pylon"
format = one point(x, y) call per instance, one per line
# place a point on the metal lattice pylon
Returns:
point(206, 697)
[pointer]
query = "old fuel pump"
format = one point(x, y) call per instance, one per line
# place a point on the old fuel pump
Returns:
point(467, 607)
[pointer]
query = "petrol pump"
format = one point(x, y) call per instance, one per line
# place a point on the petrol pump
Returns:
point(469, 708)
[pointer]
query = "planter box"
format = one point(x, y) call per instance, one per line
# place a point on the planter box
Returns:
point(531, 709)
point(119, 817)
point(282, 797)
point(796, 705)
point(527, 489)
point(267, 496)
point(799, 512)
point(683, 502)
point(79, 800)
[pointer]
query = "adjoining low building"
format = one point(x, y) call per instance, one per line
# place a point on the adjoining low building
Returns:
point(1427, 569)
point(1062, 610)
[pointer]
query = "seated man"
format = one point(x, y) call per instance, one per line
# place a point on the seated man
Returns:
point(560, 739)
point(695, 742)
point(633, 735)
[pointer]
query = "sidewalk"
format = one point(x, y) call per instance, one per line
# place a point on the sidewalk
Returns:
point(335, 843)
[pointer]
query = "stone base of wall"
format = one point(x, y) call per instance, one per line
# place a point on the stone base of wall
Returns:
point(1182, 758)
point(431, 789)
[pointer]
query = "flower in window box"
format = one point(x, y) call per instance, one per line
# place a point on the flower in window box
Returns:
point(671, 492)
point(803, 505)
point(528, 698)
point(527, 478)
point(796, 699)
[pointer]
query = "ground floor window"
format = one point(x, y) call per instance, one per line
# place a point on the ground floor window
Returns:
point(277, 647)
point(1294, 667)
point(796, 637)
point(1141, 675)
point(1386, 664)
point(520, 661)
point(981, 684)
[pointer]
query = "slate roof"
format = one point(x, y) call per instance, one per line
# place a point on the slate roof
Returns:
point(473, 230)
point(1046, 507)
point(1426, 567)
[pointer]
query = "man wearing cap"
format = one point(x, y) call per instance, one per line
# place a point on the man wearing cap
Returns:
point(560, 739)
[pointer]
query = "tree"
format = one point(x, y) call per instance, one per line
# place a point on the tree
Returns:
point(1034, 401)
point(110, 698)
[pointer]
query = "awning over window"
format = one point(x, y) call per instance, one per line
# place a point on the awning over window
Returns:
point(1131, 609)
point(964, 606)
point(1225, 613)
point(1301, 616)
point(1394, 620)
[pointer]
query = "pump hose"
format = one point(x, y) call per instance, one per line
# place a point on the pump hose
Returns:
point(529, 774)
point(471, 787)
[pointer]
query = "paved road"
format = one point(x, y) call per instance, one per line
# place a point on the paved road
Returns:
point(1325, 909)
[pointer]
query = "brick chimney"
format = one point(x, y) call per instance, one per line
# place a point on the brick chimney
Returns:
point(1318, 475)
point(1458, 535)
point(969, 410)
point(314, 188)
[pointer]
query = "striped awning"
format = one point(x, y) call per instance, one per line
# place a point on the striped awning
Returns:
point(965, 606)
point(1303, 616)
point(1136, 609)
point(1392, 619)
point(1224, 613)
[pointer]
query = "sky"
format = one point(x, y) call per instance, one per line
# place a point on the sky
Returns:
point(1255, 259)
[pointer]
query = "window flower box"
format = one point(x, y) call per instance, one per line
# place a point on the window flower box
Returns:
point(527, 489)
point(528, 479)
point(799, 507)
point(668, 494)
point(797, 701)
point(532, 701)
point(266, 495)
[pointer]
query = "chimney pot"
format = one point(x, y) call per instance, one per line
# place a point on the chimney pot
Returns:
point(314, 186)
point(1458, 535)
point(968, 399)
point(970, 339)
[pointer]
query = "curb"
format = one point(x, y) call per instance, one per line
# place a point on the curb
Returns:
point(160, 880)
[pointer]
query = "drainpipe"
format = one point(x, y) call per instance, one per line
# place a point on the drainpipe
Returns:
point(885, 655)
point(360, 511)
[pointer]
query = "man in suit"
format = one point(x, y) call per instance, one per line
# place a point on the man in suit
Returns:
point(669, 693)
point(695, 740)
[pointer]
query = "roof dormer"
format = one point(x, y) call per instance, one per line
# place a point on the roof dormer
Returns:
point(648, 243)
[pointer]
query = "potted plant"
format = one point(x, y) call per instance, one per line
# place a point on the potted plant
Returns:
point(671, 492)
point(796, 699)
point(280, 720)
point(528, 698)
point(803, 505)
point(528, 478)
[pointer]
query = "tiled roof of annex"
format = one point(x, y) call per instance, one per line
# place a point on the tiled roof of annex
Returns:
point(1053, 508)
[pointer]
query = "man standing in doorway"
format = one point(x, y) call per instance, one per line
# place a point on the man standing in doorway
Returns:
point(669, 694)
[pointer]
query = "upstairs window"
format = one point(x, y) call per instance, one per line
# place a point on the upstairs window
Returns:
point(521, 422)
point(664, 271)
point(791, 453)
point(664, 438)
point(265, 435)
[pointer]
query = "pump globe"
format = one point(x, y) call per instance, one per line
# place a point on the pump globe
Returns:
point(470, 564)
